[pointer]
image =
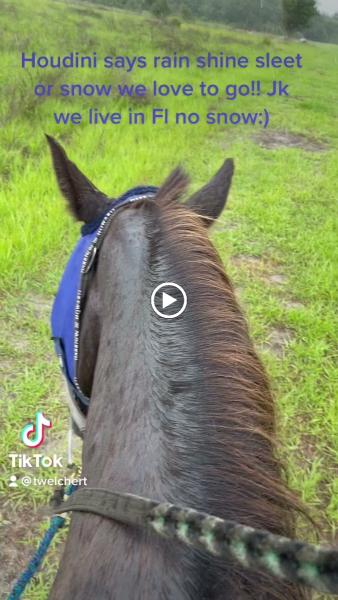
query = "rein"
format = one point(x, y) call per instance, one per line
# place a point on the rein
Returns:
point(295, 561)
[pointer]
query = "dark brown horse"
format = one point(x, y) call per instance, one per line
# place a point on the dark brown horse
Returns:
point(180, 409)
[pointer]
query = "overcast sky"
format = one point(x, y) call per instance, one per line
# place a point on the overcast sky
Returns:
point(328, 6)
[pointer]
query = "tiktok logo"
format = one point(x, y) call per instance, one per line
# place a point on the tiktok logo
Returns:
point(33, 434)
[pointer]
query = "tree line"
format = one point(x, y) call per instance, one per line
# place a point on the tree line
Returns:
point(294, 17)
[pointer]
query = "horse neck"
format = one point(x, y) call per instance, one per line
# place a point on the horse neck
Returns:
point(180, 411)
point(180, 408)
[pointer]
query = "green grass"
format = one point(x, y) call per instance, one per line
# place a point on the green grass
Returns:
point(281, 220)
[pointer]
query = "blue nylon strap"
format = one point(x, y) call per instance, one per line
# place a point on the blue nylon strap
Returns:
point(65, 313)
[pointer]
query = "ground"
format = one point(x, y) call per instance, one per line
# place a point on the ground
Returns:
point(277, 238)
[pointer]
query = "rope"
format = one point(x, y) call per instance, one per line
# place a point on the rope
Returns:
point(277, 556)
point(56, 523)
point(280, 557)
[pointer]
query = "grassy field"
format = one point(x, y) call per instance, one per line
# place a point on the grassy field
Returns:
point(278, 237)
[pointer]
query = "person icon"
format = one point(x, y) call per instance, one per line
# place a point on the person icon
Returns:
point(12, 481)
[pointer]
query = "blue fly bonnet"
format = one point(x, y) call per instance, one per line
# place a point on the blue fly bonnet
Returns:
point(66, 312)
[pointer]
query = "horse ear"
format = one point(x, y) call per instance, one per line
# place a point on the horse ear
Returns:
point(209, 201)
point(85, 201)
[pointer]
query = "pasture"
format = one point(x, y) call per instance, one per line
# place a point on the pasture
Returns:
point(277, 237)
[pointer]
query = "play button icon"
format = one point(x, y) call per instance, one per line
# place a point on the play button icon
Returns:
point(169, 300)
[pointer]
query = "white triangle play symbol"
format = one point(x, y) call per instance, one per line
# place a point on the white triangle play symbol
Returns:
point(167, 300)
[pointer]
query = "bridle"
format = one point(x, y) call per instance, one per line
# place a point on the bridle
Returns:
point(69, 300)
point(292, 560)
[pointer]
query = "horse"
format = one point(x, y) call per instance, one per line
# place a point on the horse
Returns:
point(180, 409)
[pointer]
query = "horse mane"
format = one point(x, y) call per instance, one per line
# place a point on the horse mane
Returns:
point(234, 411)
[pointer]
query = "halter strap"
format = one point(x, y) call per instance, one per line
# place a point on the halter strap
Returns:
point(67, 308)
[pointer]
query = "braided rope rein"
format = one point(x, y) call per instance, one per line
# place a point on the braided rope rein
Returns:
point(295, 561)
point(281, 557)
